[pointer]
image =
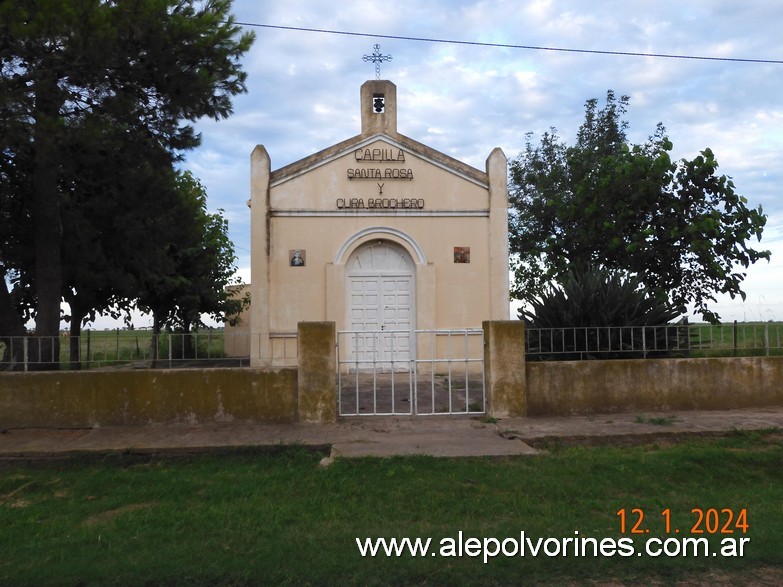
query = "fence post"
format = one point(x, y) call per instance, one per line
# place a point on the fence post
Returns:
point(89, 349)
point(25, 351)
point(317, 372)
point(504, 368)
point(766, 337)
point(735, 338)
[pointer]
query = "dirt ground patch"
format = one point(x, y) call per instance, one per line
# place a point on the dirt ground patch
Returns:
point(108, 516)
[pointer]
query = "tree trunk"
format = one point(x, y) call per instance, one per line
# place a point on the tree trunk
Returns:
point(155, 337)
point(48, 231)
point(77, 318)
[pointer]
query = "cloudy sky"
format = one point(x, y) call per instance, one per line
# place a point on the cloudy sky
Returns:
point(464, 100)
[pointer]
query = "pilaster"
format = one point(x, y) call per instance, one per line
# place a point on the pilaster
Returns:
point(260, 171)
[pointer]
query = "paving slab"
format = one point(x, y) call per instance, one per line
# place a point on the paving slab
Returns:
point(636, 427)
point(435, 436)
point(443, 436)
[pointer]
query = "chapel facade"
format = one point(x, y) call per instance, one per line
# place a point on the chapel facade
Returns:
point(376, 233)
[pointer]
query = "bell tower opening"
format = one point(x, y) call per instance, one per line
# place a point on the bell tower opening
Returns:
point(378, 103)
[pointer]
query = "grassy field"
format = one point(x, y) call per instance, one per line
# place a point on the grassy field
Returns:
point(743, 339)
point(700, 340)
point(113, 346)
point(276, 517)
point(103, 348)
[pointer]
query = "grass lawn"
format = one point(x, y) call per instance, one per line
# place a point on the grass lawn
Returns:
point(744, 339)
point(108, 347)
point(276, 517)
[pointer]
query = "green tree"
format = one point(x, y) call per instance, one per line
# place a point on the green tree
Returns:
point(150, 66)
point(15, 225)
point(199, 264)
point(113, 231)
point(604, 202)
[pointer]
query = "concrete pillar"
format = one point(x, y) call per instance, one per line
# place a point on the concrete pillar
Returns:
point(260, 171)
point(497, 171)
point(504, 368)
point(317, 372)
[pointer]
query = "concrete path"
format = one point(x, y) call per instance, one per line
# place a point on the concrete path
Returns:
point(387, 436)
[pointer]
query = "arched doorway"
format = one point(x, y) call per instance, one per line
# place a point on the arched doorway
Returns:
point(381, 305)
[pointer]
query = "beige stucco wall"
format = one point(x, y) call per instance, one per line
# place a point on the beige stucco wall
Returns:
point(458, 294)
point(319, 187)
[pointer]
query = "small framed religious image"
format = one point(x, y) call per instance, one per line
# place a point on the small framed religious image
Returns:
point(298, 257)
point(462, 254)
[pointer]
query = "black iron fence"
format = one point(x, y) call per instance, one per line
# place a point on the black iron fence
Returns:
point(669, 340)
point(125, 348)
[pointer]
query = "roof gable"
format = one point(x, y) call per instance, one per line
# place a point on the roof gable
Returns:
point(359, 144)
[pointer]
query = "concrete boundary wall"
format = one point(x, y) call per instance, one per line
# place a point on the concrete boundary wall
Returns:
point(566, 388)
point(83, 399)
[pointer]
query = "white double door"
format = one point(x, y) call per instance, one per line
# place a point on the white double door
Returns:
point(381, 299)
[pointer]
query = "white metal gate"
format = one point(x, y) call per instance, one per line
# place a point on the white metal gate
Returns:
point(391, 372)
